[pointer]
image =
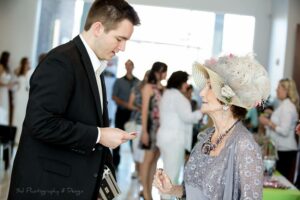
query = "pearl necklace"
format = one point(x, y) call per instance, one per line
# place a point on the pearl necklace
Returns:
point(208, 146)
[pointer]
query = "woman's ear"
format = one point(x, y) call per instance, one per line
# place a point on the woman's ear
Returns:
point(225, 107)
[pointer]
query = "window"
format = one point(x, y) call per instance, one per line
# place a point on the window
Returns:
point(177, 37)
point(238, 34)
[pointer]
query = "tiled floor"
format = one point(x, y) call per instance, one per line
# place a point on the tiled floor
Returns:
point(4, 181)
point(130, 187)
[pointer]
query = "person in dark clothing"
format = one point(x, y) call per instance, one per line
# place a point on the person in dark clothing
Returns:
point(66, 137)
point(121, 92)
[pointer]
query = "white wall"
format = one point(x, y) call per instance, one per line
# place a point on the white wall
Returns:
point(285, 17)
point(278, 42)
point(18, 28)
point(293, 20)
point(261, 10)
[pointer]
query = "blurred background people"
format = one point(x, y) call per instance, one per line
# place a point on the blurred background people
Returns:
point(197, 125)
point(151, 94)
point(251, 120)
point(176, 122)
point(297, 171)
point(281, 127)
point(21, 95)
point(6, 85)
point(121, 93)
point(135, 105)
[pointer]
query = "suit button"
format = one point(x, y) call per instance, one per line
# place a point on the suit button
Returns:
point(95, 175)
point(93, 149)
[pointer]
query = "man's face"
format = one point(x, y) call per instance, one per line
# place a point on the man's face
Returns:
point(129, 67)
point(108, 44)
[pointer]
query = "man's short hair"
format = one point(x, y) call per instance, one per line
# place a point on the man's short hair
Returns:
point(110, 13)
point(129, 62)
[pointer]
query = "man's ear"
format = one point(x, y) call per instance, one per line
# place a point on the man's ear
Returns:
point(97, 28)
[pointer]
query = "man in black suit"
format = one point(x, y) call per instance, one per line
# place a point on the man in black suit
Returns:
point(65, 139)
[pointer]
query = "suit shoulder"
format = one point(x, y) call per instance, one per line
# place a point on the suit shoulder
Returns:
point(60, 57)
point(66, 50)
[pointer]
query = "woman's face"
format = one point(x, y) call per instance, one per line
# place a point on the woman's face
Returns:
point(210, 103)
point(27, 66)
point(184, 87)
point(281, 92)
point(163, 75)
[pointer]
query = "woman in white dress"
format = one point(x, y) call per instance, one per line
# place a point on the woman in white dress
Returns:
point(5, 85)
point(21, 96)
point(176, 122)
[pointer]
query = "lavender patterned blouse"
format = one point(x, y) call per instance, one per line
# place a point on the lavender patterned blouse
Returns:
point(236, 173)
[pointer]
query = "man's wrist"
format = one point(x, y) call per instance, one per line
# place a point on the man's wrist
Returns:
point(99, 135)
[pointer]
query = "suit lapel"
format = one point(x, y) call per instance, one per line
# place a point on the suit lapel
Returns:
point(91, 75)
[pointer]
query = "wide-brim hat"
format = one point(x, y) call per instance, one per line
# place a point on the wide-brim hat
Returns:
point(239, 81)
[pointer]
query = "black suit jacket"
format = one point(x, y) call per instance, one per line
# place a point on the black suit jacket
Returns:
point(57, 157)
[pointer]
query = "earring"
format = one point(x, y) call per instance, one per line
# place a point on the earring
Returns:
point(225, 107)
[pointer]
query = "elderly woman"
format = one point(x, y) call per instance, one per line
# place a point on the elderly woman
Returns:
point(281, 127)
point(226, 163)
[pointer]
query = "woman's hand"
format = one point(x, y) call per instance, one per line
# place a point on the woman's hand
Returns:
point(162, 182)
point(298, 129)
point(264, 120)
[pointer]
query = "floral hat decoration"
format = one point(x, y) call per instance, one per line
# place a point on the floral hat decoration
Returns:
point(235, 80)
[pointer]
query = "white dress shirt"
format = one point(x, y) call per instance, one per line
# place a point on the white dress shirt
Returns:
point(98, 66)
point(285, 116)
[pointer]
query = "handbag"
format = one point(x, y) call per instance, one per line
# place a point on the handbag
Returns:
point(109, 188)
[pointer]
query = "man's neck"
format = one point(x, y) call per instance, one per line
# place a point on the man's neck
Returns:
point(129, 76)
point(88, 39)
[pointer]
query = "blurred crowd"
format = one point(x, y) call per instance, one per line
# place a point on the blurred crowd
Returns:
point(167, 118)
point(14, 89)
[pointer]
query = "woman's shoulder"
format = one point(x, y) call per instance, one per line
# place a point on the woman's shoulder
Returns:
point(204, 133)
point(171, 92)
point(245, 139)
point(148, 87)
point(289, 105)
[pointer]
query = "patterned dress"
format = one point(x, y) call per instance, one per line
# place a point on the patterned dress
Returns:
point(136, 115)
point(153, 117)
point(236, 173)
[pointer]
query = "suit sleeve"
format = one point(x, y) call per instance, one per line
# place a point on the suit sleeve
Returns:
point(51, 90)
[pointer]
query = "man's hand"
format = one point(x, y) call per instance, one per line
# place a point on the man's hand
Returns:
point(113, 137)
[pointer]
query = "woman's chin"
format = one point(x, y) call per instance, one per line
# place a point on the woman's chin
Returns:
point(203, 110)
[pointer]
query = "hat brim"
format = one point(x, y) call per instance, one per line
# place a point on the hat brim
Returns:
point(201, 74)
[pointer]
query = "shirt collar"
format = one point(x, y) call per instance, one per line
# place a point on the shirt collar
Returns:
point(94, 59)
